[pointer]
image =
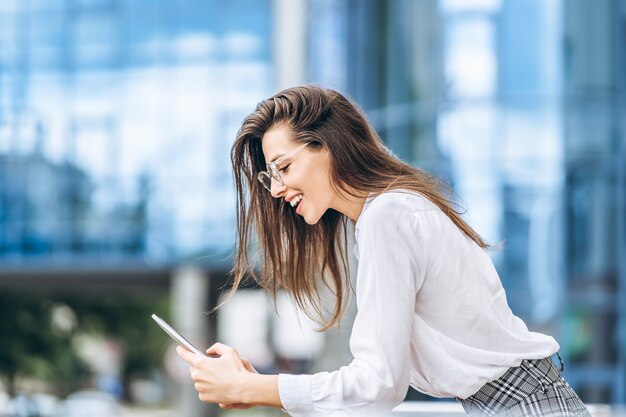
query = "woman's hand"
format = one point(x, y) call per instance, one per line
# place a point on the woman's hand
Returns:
point(240, 406)
point(219, 380)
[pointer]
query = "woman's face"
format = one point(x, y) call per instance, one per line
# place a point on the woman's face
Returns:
point(305, 175)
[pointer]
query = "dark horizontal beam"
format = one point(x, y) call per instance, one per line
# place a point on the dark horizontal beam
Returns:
point(74, 280)
point(97, 279)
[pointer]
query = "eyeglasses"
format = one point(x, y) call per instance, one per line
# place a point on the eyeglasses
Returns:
point(273, 173)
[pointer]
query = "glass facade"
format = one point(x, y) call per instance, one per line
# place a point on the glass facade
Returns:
point(520, 106)
point(116, 119)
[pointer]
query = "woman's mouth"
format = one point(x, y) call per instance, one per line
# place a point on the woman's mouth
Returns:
point(294, 201)
point(299, 207)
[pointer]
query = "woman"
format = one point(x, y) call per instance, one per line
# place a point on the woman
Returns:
point(432, 312)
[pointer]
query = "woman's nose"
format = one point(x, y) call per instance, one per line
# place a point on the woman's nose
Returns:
point(277, 189)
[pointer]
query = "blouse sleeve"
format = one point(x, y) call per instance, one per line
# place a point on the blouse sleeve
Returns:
point(390, 273)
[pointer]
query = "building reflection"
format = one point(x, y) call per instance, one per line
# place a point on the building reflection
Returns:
point(116, 120)
point(519, 105)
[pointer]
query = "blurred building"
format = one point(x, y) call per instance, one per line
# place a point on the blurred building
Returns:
point(142, 100)
point(116, 120)
point(47, 213)
point(520, 105)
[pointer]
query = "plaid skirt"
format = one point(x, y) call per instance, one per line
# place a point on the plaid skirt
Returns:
point(535, 388)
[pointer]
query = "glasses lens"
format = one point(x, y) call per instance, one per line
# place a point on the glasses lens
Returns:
point(266, 180)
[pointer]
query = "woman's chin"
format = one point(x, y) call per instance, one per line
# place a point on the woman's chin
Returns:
point(310, 219)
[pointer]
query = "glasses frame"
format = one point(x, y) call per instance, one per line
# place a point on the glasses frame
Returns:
point(273, 172)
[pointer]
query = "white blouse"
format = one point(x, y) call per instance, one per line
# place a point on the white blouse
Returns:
point(432, 314)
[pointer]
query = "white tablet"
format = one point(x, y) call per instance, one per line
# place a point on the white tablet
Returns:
point(175, 335)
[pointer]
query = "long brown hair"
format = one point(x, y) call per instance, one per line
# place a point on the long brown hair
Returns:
point(303, 259)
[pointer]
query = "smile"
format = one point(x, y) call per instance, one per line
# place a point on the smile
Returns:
point(294, 201)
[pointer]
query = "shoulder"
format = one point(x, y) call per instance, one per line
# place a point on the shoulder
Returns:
point(392, 217)
point(393, 207)
point(397, 202)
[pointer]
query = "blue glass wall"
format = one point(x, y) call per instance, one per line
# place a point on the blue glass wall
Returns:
point(519, 104)
point(116, 120)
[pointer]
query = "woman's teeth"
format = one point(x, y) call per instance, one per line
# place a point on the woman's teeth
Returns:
point(294, 201)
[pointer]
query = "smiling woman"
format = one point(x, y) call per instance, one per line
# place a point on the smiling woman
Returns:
point(300, 174)
point(343, 163)
point(307, 162)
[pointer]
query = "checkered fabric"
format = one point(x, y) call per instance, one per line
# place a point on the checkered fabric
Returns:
point(535, 388)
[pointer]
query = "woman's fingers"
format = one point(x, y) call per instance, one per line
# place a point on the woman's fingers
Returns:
point(215, 380)
point(248, 365)
point(221, 349)
point(187, 355)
